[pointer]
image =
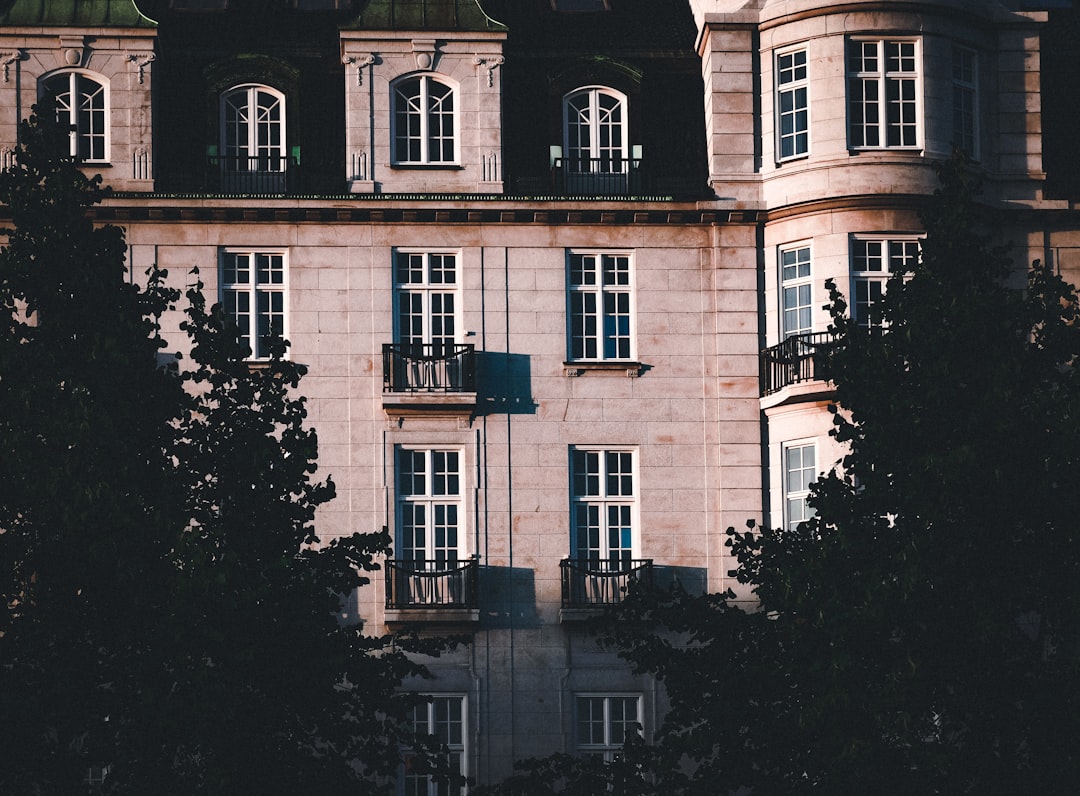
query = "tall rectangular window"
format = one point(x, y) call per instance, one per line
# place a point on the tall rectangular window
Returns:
point(600, 306)
point(873, 261)
point(253, 293)
point(430, 506)
point(792, 105)
point(796, 291)
point(425, 294)
point(883, 93)
point(603, 501)
point(604, 721)
point(965, 101)
point(800, 470)
point(444, 718)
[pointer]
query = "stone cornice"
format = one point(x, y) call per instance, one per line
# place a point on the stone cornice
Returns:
point(921, 9)
point(116, 210)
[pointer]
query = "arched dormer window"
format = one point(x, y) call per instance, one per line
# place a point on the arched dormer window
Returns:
point(594, 125)
point(424, 127)
point(595, 138)
point(82, 100)
point(253, 155)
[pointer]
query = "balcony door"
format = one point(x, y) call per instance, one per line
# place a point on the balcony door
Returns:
point(429, 519)
point(253, 140)
point(595, 141)
point(602, 533)
point(796, 291)
point(425, 296)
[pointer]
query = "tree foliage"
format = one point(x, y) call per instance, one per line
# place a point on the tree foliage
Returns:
point(920, 633)
point(168, 609)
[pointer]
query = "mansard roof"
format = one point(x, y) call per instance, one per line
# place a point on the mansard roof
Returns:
point(460, 15)
point(73, 13)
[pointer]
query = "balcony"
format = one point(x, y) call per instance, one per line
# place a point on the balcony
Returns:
point(591, 583)
point(429, 378)
point(432, 591)
point(232, 174)
point(800, 358)
point(610, 176)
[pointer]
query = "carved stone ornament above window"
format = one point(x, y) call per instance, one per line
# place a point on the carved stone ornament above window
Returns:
point(360, 62)
point(141, 60)
point(490, 63)
point(74, 48)
point(424, 51)
point(7, 59)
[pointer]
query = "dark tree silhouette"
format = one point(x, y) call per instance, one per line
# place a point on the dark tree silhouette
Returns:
point(920, 633)
point(168, 609)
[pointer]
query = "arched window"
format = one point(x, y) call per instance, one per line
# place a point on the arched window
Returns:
point(594, 130)
point(596, 144)
point(424, 126)
point(253, 139)
point(82, 102)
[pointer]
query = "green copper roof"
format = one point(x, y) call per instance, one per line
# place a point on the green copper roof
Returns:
point(465, 15)
point(73, 13)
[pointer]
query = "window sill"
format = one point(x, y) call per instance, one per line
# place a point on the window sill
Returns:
point(632, 369)
point(858, 150)
point(427, 166)
point(261, 364)
point(432, 615)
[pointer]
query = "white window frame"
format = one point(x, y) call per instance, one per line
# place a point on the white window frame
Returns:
point(84, 122)
point(792, 77)
point(870, 270)
point(257, 292)
point(456, 739)
point(602, 504)
point(588, 128)
point(795, 272)
point(421, 279)
point(613, 730)
point(431, 500)
point(407, 109)
point(797, 476)
point(965, 100)
point(600, 296)
point(870, 98)
point(260, 141)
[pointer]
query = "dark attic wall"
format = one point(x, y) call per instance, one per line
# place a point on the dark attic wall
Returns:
point(1060, 60)
point(202, 52)
point(644, 48)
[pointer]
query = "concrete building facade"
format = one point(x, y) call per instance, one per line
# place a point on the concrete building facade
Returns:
point(556, 267)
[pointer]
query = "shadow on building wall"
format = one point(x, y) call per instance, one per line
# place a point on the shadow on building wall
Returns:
point(505, 384)
point(508, 597)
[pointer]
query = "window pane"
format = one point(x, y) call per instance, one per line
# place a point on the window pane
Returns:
point(602, 492)
point(599, 306)
point(424, 128)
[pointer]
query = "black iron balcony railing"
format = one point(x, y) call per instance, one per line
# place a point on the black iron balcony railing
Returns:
point(262, 174)
point(801, 357)
point(432, 584)
point(592, 582)
point(608, 176)
point(428, 367)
